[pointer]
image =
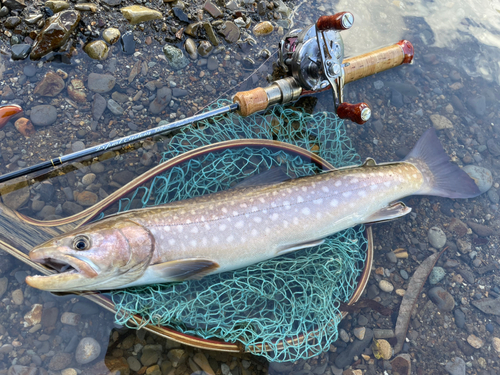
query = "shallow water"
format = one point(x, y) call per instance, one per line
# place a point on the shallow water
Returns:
point(455, 74)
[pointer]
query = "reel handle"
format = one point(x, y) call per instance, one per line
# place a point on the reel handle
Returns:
point(358, 113)
point(338, 21)
point(377, 61)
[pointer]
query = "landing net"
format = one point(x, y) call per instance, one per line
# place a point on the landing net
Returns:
point(286, 308)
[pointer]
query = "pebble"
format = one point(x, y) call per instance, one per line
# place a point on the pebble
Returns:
point(25, 127)
point(385, 286)
point(202, 361)
point(230, 31)
point(212, 9)
point(87, 350)
point(98, 107)
point(459, 318)
point(135, 14)
point(43, 115)
point(88, 178)
point(404, 274)
point(101, 83)
point(60, 361)
point(213, 63)
point(111, 35)
point(496, 344)
point(175, 57)
point(190, 47)
point(87, 198)
point(97, 50)
point(115, 108)
point(128, 43)
point(480, 229)
point(29, 70)
point(381, 333)
point(204, 48)
point(77, 146)
point(475, 341)
point(263, 28)
point(344, 336)
point(134, 363)
point(57, 5)
point(359, 332)
point(391, 257)
point(382, 349)
point(163, 97)
point(477, 104)
point(437, 274)
point(440, 122)
point(482, 177)
point(442, 299)
point(50, 85)
point(20, 51)
point(437, 238)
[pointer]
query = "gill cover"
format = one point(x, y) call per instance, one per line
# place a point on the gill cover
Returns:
point(119, 251)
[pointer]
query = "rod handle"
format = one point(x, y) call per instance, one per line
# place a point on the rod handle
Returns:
point(377, 61)
point(251, 101)
point(338, 21)
point(358, 113)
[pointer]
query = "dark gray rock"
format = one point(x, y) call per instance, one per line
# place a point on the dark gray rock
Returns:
point(355, 348)
point(115, 108)
point(456, 366)
point(459, 318)
point(493, 147)
point(20, 51)
point(43, 115)
point(477, 104)
point(480, 229)
point(442, 299)
point(87, 350)
point(98, 107)
point(179, 93)
point(101, 83)
point(396, 99)
point(163, 97)
point(212, 63)
point(488, 305)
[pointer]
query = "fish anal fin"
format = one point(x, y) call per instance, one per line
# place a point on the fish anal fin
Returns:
point(299, 246)
point(369, 162)
point(388, 213)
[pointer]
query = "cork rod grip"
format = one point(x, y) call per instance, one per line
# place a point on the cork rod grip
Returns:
point(378, 61)
point(251, 101)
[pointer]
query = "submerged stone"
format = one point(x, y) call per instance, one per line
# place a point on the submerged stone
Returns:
point(137, 13)
point(50, 85)
point(175, 57)
point(128, 43)
point(263, 28)
point(97, 50)
point(111, 35)
point(55, 33)
point(230, 31)
point(20, 51)
point(57, 5)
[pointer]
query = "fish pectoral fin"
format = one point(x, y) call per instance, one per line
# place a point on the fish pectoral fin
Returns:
point(388, 213)
point(299, 246)
point(183, 269)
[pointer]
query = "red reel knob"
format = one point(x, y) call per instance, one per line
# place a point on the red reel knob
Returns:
point(338, 21)
point(358, 113)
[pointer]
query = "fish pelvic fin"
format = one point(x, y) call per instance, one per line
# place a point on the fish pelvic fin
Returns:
point(391, 212)
point(442, 178)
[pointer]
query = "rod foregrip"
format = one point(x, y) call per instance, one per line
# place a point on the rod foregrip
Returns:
point(377, 61)
point(251, 101)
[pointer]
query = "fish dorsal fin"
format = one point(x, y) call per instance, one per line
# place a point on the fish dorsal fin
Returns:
point(176, 270)
point(269, 177)
point(369, 162)
point(391, 212)
point(299, 246)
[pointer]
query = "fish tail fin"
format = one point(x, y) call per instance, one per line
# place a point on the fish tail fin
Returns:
point(442, 178)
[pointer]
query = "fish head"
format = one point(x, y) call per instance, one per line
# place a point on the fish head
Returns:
point(104, 255)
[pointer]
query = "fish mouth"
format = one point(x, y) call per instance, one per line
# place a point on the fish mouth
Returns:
point(69, 270)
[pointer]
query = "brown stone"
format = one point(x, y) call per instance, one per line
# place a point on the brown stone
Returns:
point(50, 85)
point(15, 196)
point(263, 28)
point(55, 33)
point(402, 364)
point(77, 91)
point(34, 316)
point(86, 198)
point(117, 365)
point(230, 31)
point(25, 127)
point(212, 9)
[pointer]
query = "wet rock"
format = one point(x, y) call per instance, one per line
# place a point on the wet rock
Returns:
point(190, 47)
point(4, 283)
point(480, 229)
point(150, 354)
point(210, 34)
point(192, 29)
point(459, 318)
point(475, 341)
point(111, 35)
point(355, 348)
point(437, 274)
point(128, 43)
point(77, 146)
point(22, 370)
point(25, 127)
point(440, 122)
point(50, 85)
point(477, 104)
point(488, 305)
point(263, 28)
point(177, 356)
point(481, 176)
point(86, 198)
point(493, 147)
point(396, 98)
point(16, 195)
point(88, 178)
point(113, 3)
point(205, 48)
point(496, 344)
point(493, 196)
point(60, 361)
point(212, 63)
point(442, 299)
point(135, 14)
point(212, 9)
point(43, 115)
point(87, 350)
point(175, 57)
point(379, 333)
point(202, 361)
point(88, 7)
point(55, 33)
point(115, 108)
point(11, 22)
point(57, 5)
point(179, 13)
point(385, 286)
point(101, 83)
point(437, 238)
point(119, 97)
point(179, 93)
point(98, 107)
point(382, 349)
point(4, 11)
point(20, 51)
point(134, 364)
point(77, 91)
point(14, 4)
point(97, 50)
point(163, 97)
point(71, 208)
point(359, 332)
point(456, 366)
point(230, 31)
point(123, 177)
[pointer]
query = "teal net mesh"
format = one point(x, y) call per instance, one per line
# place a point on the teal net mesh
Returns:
point(286, 308)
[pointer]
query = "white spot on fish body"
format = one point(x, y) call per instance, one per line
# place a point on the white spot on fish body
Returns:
point(180, 228)
point(239, 224)
point(215, 239)
point(347, 194)
point(224, 210)
point(230, 238)
point(254, 232)
point(204, 241)
point(262, 200)
point(354, 181)
point(362, 193)
point(300, 199)
point(274, 216)
point(304, 188)
point(306, 211)
point(374, 187)
point(318, 215)
point(338, 183)
point(257, 219)
point(273, 204)
point(264, 211)
point(325, 189)
point(171, 242)
point(254, 209)
point(295, 221)
point(387, 183)
point(318, 201)
point(207, 227)
point(268, 230)
point(285, 223)
point(334, 203)
point(194, 230)
point(235, 213)
point(192, 243)
point(243, 205)
point(222, 227)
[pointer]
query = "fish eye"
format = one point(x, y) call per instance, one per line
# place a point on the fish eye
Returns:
point(81, 243)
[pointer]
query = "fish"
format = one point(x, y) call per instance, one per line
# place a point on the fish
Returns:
point(246, 224)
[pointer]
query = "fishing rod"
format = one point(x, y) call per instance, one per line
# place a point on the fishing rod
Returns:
point(313, 60)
